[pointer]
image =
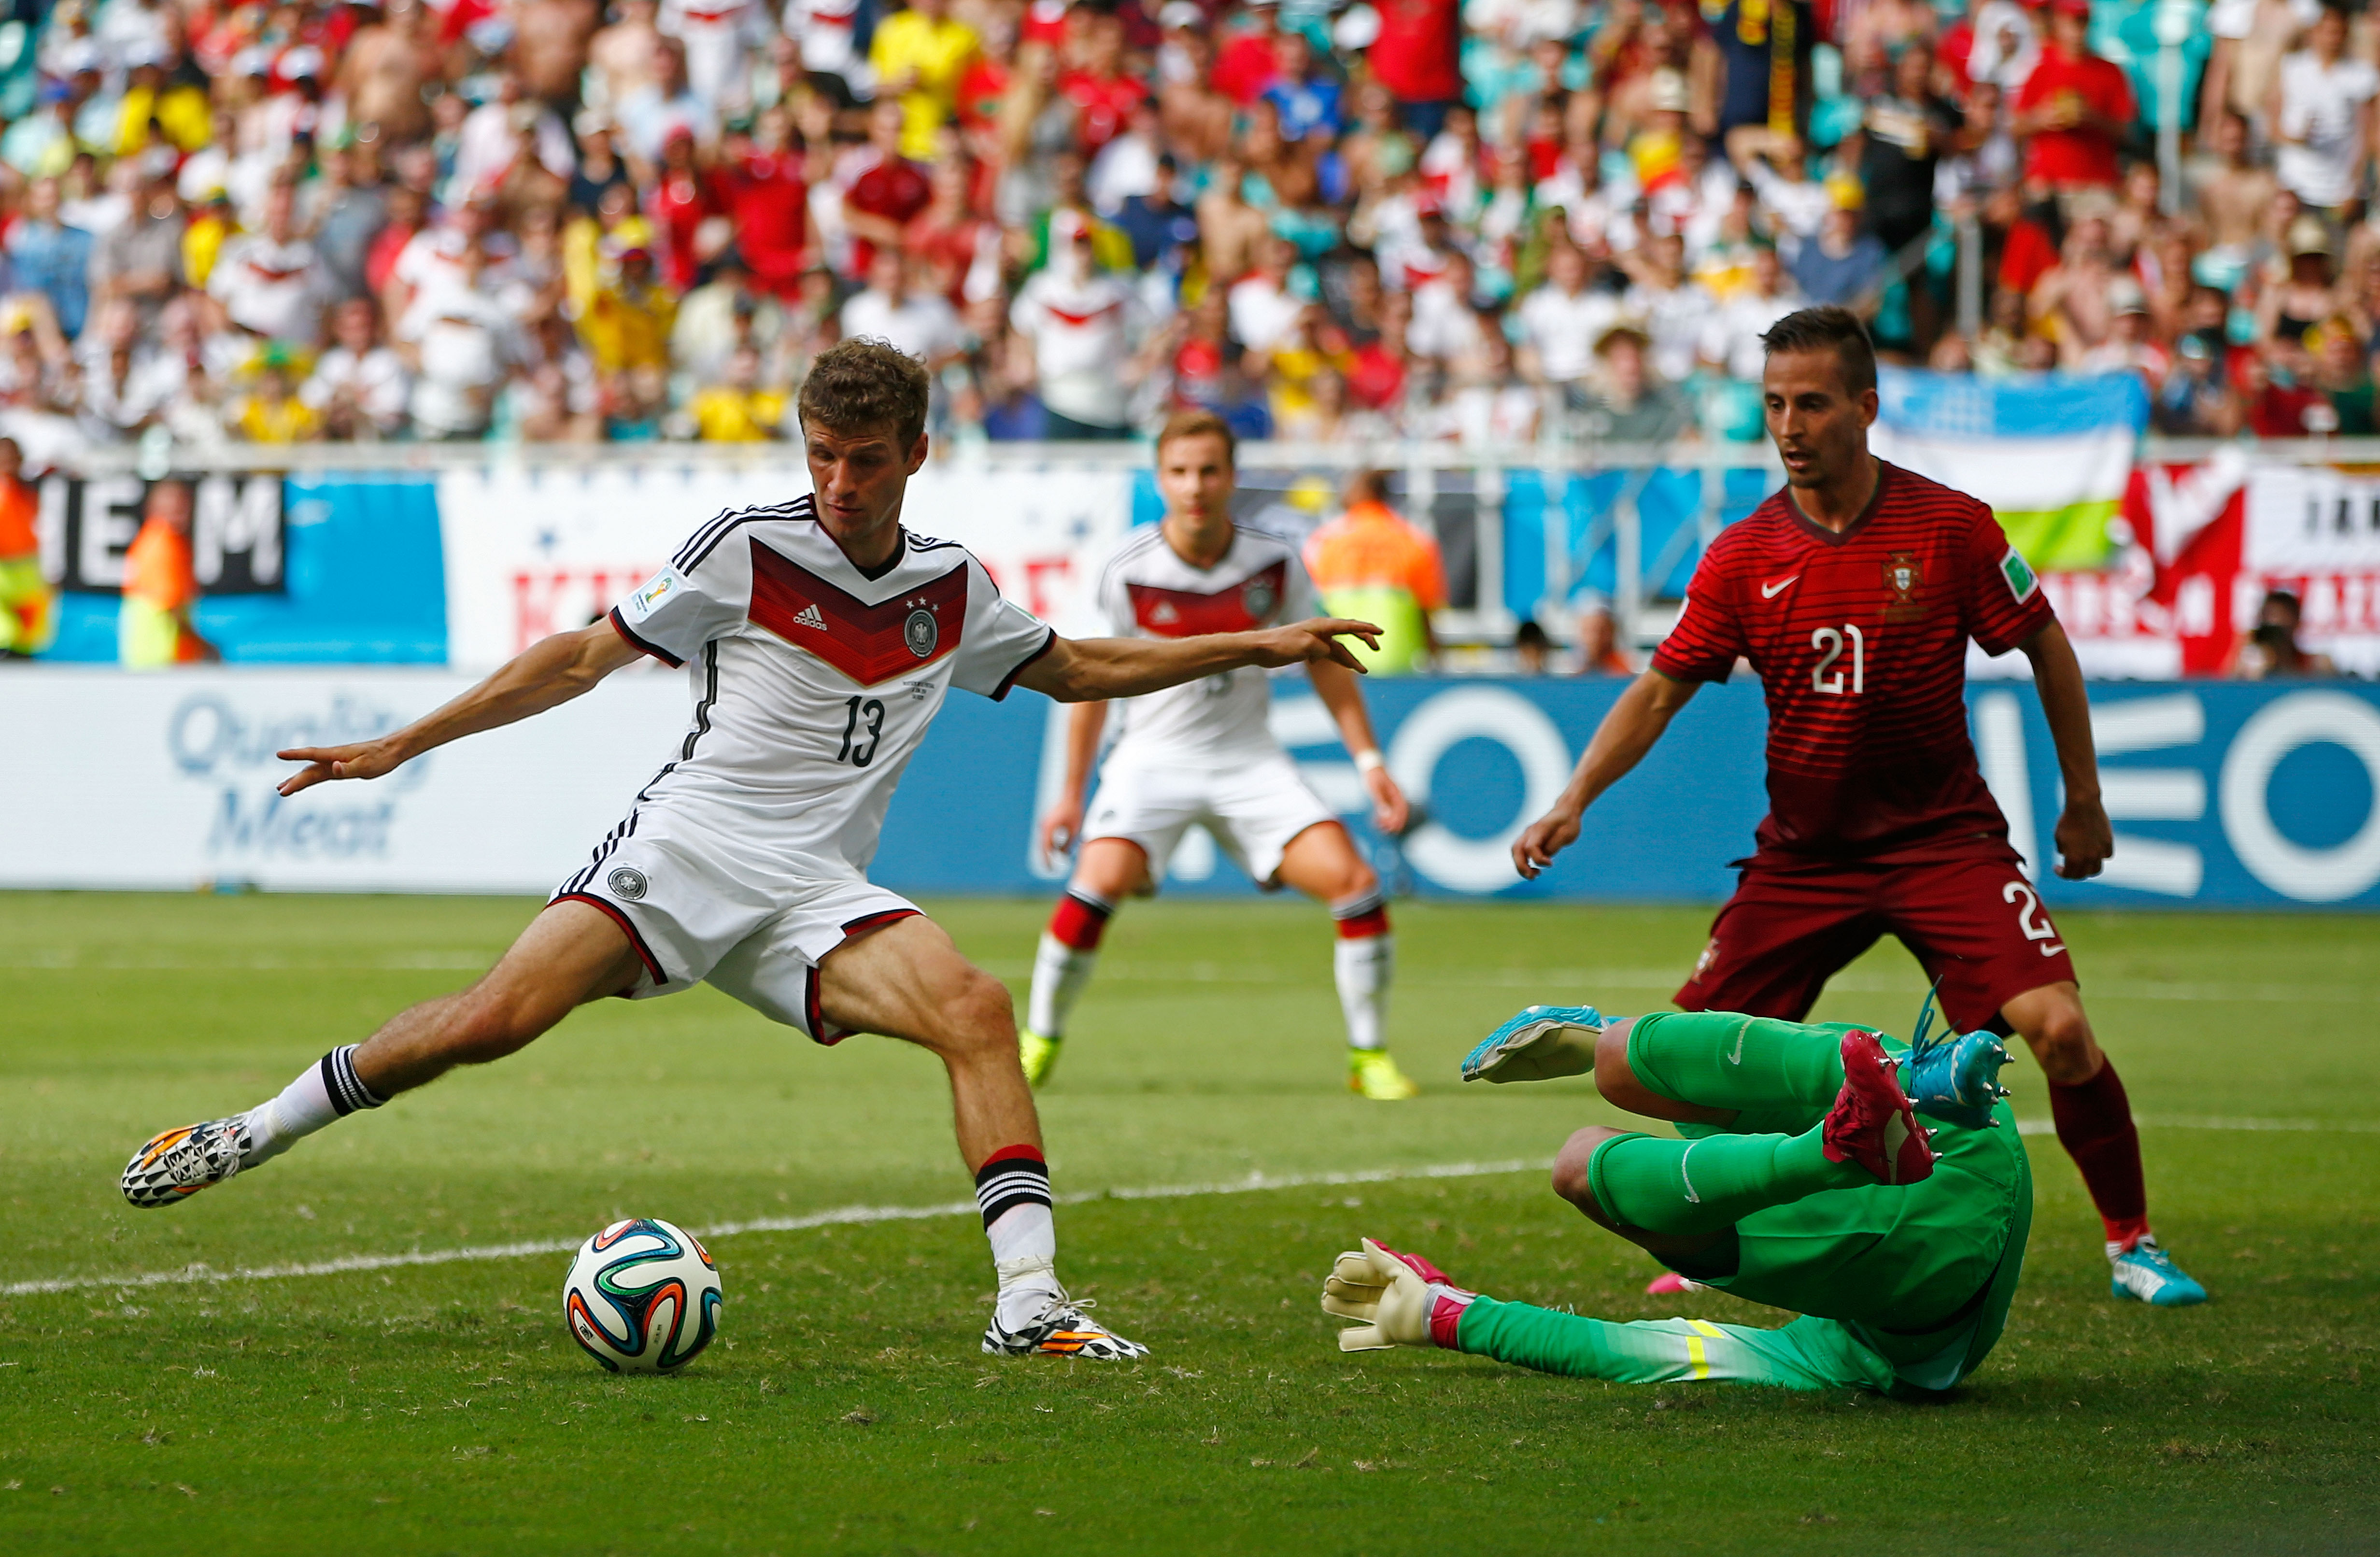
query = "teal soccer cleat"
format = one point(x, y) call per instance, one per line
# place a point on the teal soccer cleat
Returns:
point(1540, 1043)
point(1955, 1079)
point(2147, 1273)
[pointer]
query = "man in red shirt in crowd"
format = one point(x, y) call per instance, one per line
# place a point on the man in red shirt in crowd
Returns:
point(1103, 96)
point(767, 196)
point(886, 192)
point(1853, 594)
point(2072, 111)
point(1417, 57)
point(1246, 64)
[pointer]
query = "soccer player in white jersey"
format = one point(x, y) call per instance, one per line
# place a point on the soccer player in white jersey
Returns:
point(819, 638)
point(1203, 753)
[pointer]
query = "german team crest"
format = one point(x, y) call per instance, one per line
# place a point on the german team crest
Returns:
point(921, 632)
point(1257, 597)
point(1906, 577)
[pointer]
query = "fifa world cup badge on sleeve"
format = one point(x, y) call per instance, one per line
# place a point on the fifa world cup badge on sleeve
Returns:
point(642, 602)
point(2019, 574)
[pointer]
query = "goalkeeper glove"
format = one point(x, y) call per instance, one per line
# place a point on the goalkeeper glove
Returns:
point(1401, 1301)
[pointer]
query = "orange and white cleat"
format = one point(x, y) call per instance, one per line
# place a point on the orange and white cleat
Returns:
point(1061, 1329)
point(176, 1165)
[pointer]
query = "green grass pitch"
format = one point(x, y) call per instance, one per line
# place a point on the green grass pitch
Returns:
point(847, 1409)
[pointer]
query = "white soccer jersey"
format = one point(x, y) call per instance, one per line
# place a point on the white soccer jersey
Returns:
point(1147, 591)
point(813, 682)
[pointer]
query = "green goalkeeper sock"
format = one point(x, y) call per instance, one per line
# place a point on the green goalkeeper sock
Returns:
point(1708, 1185)
point(1755, 1065)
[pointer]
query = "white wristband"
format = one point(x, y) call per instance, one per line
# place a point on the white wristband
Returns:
point(1369, 761)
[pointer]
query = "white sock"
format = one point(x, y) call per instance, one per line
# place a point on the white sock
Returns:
point(1060, 971)
point(1013, 1191)
point(325, 1090)
point(1364, 966)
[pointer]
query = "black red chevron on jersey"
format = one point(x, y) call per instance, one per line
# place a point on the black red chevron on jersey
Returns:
point(1241, 606)
point(867, 643)
point(1860, 640)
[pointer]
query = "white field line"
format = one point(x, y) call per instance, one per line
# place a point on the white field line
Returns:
point(848, 1216)
point(840, 1217)
point(1556, 981)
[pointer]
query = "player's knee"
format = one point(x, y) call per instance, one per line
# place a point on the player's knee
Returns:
point(978, 1015)
point(1573, 1175)
point(2063, 1045)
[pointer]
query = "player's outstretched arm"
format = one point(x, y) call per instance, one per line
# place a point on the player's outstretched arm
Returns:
point(1077, 670)
point(548, 672)
point(2085, 836)
point(1627, 733)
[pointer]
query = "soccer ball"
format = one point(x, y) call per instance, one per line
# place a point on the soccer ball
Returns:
point(642, 1297)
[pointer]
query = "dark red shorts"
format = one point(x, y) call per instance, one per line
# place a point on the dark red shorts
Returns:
point(1968, 915)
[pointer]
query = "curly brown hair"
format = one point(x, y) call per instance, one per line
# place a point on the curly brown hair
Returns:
point(864, 382)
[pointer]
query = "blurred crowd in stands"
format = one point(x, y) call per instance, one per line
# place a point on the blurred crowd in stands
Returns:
point(1493, 222)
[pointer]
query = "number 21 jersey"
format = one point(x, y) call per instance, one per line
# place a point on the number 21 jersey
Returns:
point(813, 681)
point(1860, 640)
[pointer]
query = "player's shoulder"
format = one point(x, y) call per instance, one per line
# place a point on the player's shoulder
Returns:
point(1908, 494)
point(1139, 546)
point(1262, 544)
point(783, 522)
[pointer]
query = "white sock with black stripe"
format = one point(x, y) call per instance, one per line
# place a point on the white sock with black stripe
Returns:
point(327, 1090)
point(1012, 1190)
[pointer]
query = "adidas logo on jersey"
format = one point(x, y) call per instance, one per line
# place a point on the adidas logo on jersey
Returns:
point(809, 617)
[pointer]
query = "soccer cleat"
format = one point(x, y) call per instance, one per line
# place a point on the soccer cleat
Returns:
point(1060, 1330)
point(1669, 1283)
point(1872, 1123)
point(1037, 1054)
point(1372, 1074)
point(178, 1164)
point(2147, 1272)
point(1540, 1043)
point(1957, 1079)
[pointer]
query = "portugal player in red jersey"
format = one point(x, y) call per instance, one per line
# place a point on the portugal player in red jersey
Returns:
point(1852, 594)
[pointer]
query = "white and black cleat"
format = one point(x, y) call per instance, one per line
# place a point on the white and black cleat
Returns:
point(1060, 1330)
point(177, 1164)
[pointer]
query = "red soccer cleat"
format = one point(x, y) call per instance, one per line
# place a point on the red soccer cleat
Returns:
point(1872, 1123)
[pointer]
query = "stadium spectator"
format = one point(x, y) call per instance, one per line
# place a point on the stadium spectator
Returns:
point(2321, 119)
point(1078, 327)
point(2074, 108)
point(1561, 322)
point(161, 587)
point(920, 323)
point(2271, 650)
point(1371, 565)
point(360, 388)
point(1531, 649)
point(48, 257)
point(918, 55)
point(736, 409)
point(1631, 404)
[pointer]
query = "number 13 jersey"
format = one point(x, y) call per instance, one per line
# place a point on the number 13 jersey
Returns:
point(813, 681)
point(1860, 640)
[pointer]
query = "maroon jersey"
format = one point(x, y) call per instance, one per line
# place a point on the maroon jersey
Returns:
point(1860, 640)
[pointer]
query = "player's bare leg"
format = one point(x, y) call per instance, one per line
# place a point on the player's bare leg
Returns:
point(2095, 1125)
point(1109, 871)
point(569, 955)
point(908, 982)
point(1322, 863)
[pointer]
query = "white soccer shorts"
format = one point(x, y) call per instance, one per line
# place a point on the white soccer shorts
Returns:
point(1252, 808)
point(702, 904)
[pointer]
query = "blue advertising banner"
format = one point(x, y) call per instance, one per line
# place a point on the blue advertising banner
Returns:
point(362, 580)
point(2223, 794)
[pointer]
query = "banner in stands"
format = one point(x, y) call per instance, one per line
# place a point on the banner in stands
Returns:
point(529, 553)
point(2222, 795)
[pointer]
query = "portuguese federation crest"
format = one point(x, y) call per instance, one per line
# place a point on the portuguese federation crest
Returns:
point(1905, 576)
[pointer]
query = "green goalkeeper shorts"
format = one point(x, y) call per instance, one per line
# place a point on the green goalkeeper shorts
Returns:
point(1921, 1274)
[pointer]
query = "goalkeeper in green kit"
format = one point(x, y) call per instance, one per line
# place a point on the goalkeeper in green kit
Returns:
point(1804, 1181)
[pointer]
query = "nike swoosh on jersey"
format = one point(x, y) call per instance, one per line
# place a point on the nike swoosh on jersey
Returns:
point(1770, 591)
